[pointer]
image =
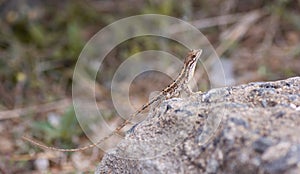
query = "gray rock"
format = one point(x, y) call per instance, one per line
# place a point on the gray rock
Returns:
point(252, 128)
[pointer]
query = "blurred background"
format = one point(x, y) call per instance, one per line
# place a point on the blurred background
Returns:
point(40, 41)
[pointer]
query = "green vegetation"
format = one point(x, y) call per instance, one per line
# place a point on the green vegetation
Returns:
point(40, 43)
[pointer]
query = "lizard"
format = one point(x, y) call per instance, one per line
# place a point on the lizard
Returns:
point(179, 85)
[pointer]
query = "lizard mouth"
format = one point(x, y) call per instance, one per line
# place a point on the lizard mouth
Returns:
point(195, 54)
point(198, 52)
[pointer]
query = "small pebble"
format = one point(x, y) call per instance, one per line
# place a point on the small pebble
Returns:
point(41, 164)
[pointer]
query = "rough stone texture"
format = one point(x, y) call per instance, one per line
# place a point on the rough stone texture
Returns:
point(259, 133)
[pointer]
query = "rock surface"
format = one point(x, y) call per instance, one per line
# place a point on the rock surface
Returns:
point(252, 128)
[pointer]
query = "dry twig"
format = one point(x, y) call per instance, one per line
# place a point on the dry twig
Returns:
point(231, 36)
point(211, 22)
point(15, 113)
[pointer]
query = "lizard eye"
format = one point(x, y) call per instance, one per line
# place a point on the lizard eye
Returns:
point(193, 56)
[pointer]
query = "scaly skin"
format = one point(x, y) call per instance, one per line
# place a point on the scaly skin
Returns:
point(173, 90)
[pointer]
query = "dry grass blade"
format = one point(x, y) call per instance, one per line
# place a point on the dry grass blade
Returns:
point(45, 155)
point(213, 21)
point(15, 113)
point(231, 36)
point(236, 32)
point(270, 34)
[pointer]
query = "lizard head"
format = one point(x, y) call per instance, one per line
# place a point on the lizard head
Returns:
point(193, 56)
point(191, 61)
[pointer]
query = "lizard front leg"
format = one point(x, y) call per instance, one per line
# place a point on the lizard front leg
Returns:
point(187, 90)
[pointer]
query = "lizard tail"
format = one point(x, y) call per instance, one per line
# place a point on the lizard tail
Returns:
point(43, 146)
